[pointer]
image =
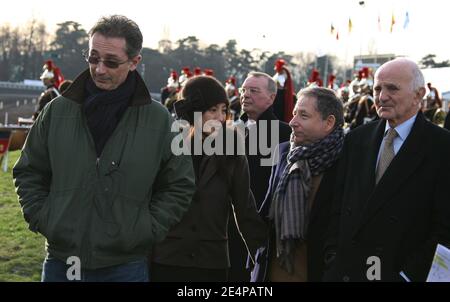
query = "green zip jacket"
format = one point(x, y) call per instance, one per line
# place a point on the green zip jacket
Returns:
point(108, 210)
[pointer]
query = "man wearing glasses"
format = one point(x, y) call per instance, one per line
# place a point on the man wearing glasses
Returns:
point(97, 177)
point(257, 95)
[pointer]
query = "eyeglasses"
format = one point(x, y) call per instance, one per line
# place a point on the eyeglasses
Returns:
point(251, 90)
point(108, 63)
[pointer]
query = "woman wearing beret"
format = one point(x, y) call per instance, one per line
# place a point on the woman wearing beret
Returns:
point(196, 249)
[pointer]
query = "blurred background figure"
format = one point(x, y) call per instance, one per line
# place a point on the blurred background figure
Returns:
point(433, 106)
point(365, 111)
point(360, 107)
point(344, 92)
point(51, 77)
point(170, 92)
point(197, 71)
point(285, 98)
point(185, 75)
point(315, 80)
point(233, 97)
point(208, 72)
point(332, 82)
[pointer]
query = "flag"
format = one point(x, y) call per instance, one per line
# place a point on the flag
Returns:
point(405, 25)
point(337, 35)
point(379, 23)
point(392, 22)
point(350, 25)
point(332, 29)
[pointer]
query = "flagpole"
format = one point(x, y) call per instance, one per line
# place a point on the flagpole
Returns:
point(362, 5)
point(378, 36)
point(325, 73)
point(346, 63)
point(405, 32)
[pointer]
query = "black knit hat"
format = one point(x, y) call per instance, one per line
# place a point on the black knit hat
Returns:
point(198, 95)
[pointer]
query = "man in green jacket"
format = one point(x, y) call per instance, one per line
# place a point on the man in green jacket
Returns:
point(97, 176)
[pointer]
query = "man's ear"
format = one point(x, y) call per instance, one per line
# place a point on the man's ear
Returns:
point(330, 123)
point(135, 61)
point(272, 97)
point(420, 93)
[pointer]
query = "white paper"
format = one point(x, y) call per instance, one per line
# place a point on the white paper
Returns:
point(440, 268)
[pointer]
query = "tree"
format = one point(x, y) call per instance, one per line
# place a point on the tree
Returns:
point(445, 63)
point(21, 51)
point(213, 59)
point(5, 44)
point(187, 53)
point(301, 73)
point(260, 59)
point(67, 47)
point(157, 68)
point(15, 56)
point(429, 62)
point(34, 45)
point(190, 43)
point(232, 60)
point(24, 50)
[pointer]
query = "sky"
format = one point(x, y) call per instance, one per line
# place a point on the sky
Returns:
point(277, 25)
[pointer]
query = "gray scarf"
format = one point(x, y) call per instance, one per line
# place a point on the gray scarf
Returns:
point(289, 209)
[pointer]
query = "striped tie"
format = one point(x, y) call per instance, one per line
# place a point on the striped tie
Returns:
point(387, 154)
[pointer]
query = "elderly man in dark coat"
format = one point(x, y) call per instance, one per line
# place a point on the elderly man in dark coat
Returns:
point(392, 205)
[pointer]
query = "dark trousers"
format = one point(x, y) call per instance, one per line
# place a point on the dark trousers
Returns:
point(55, 270)
point(169, 273)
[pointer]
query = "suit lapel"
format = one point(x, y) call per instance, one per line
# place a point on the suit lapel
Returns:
point(402, 166)
point(372, 147)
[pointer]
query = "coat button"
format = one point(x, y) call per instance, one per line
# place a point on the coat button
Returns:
point(192, 255)
point(354, 242)
point(349, 211)
point(194, 228)
point(346, 279)
point(106, 189)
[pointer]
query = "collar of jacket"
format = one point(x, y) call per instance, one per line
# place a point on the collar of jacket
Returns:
point(75, 92)
point(267, 115)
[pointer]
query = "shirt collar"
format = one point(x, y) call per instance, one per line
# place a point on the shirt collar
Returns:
point(404, 128)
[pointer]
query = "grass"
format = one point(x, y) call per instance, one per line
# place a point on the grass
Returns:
point(21, 251)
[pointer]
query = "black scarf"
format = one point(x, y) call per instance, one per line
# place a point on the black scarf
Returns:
point(105, 108)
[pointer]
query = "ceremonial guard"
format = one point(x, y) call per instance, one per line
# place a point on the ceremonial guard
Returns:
point(285, 98)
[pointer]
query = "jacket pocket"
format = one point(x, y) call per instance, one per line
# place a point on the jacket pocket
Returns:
point(143, 229)
point(44, 214)
point(124, 228)
point(63, 216)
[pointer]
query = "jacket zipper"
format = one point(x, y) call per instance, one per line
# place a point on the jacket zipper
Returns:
point(85, 242)
point(85, 246)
